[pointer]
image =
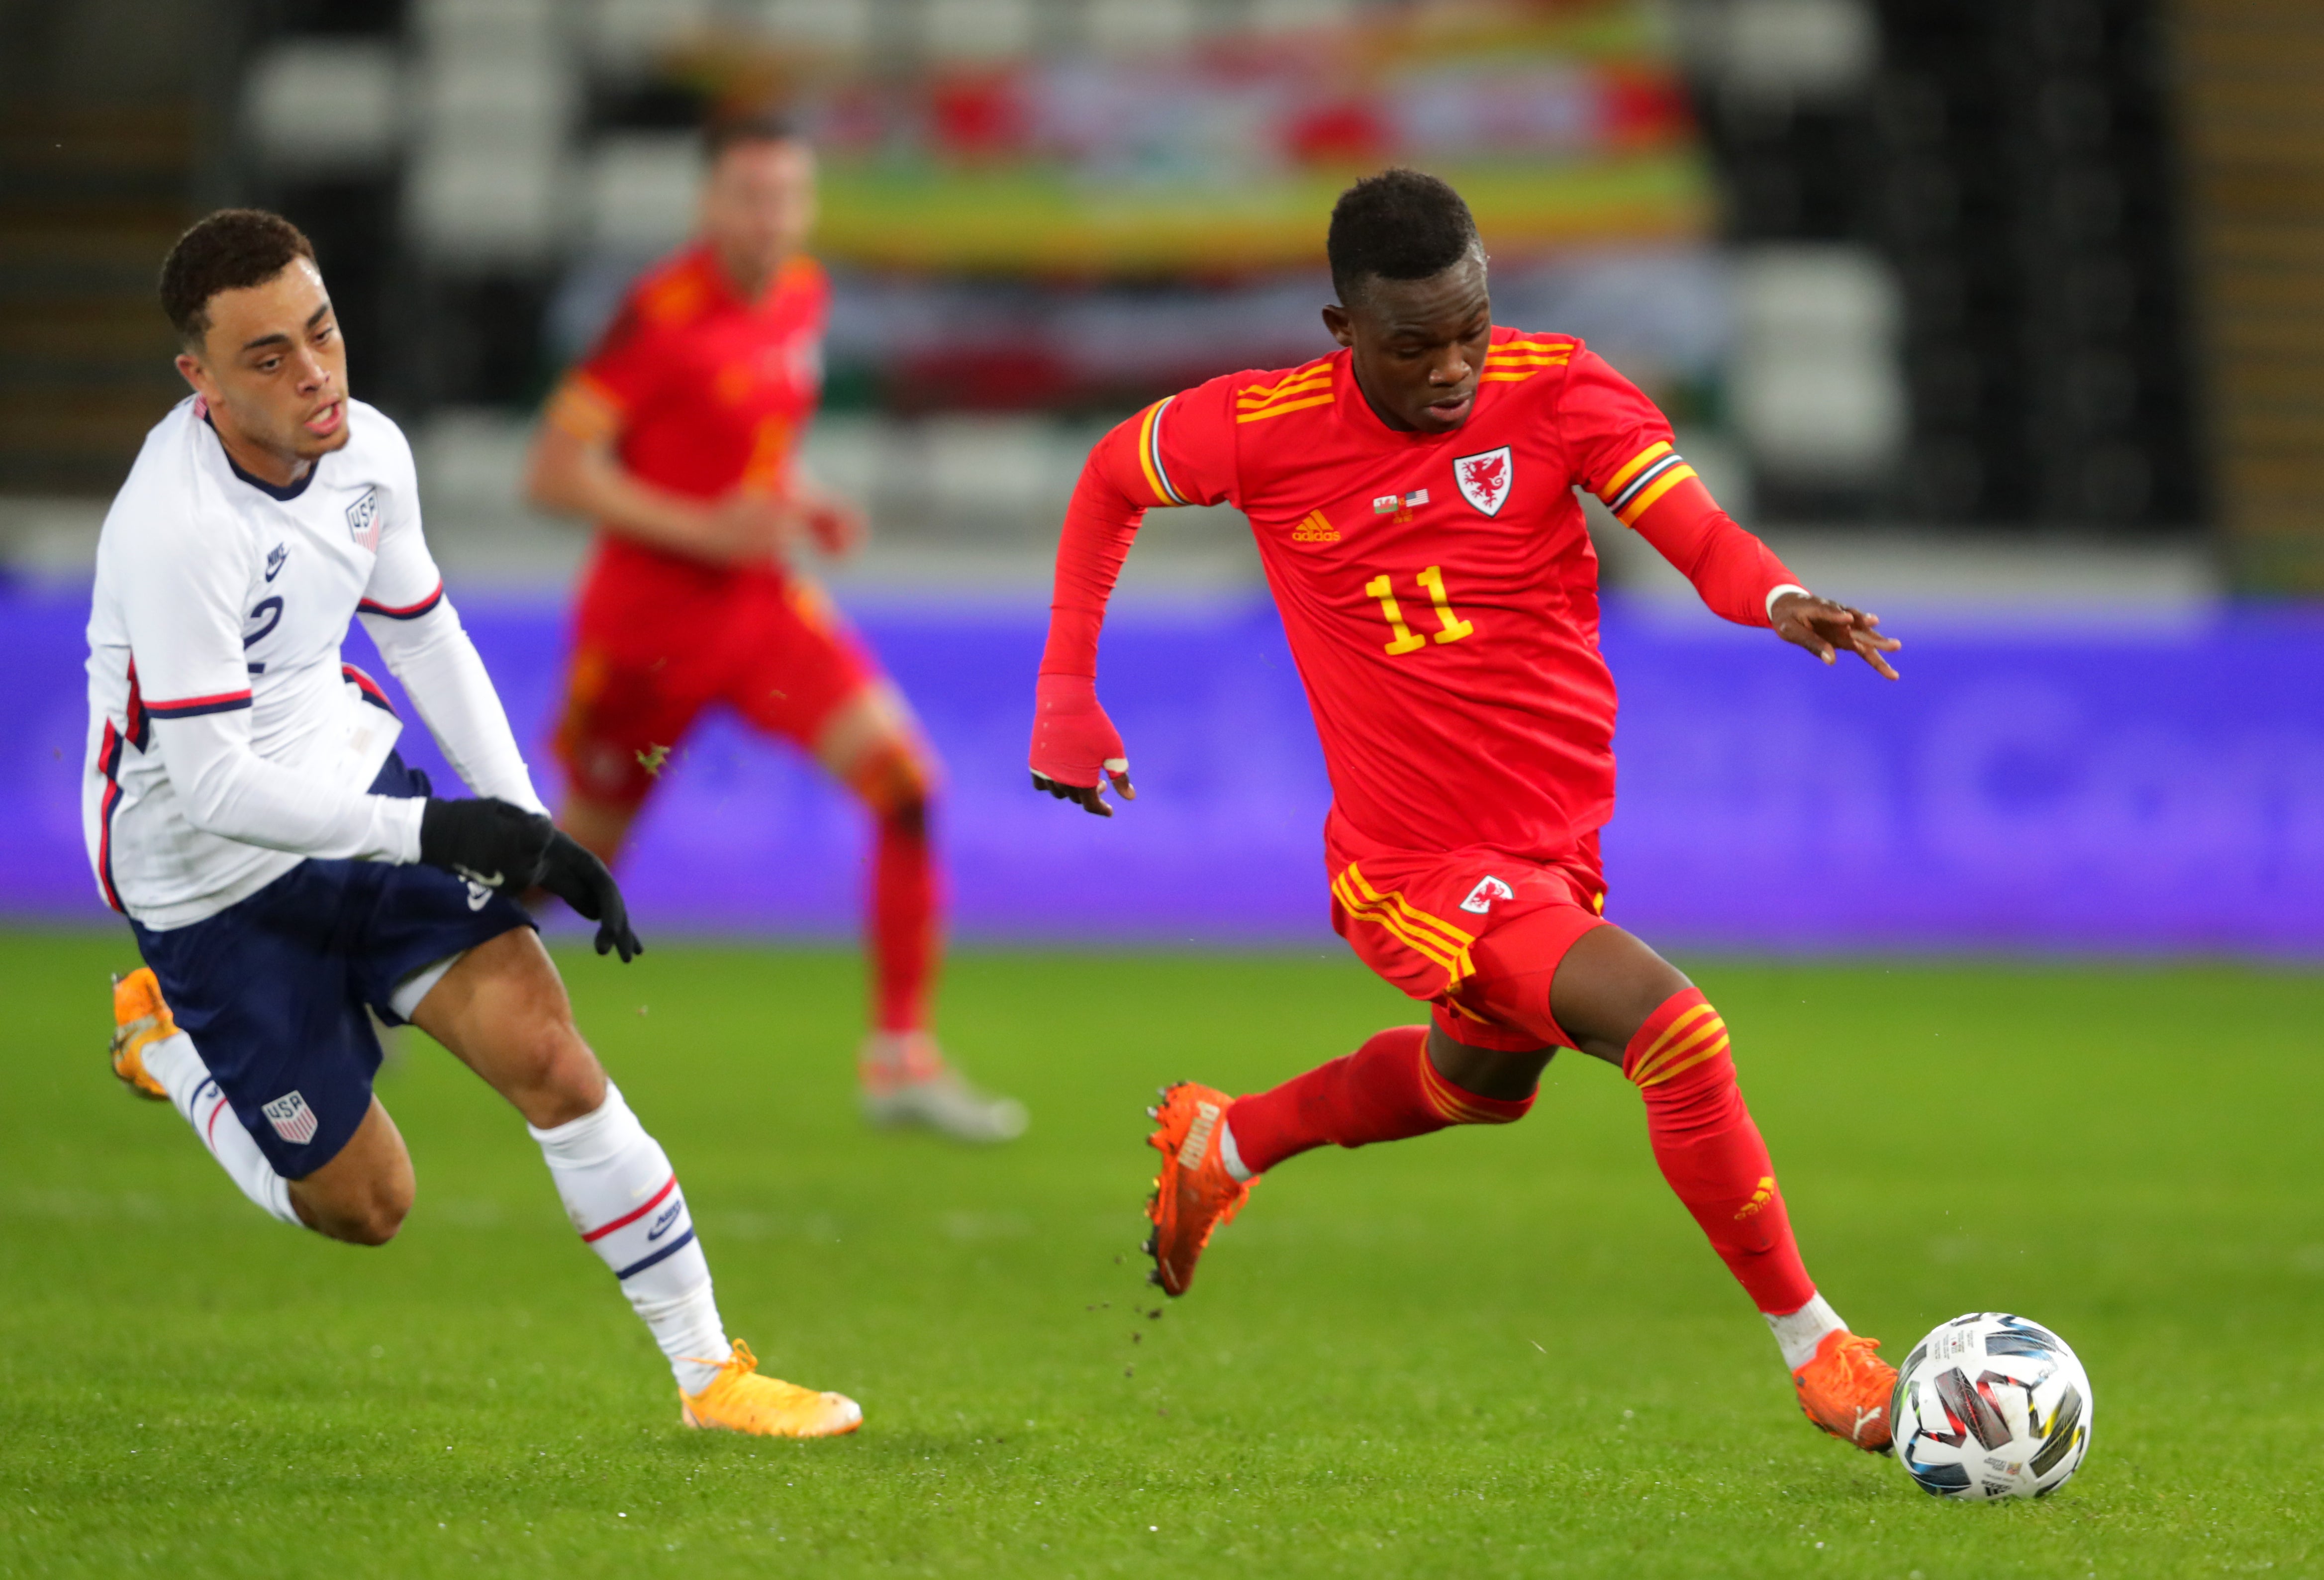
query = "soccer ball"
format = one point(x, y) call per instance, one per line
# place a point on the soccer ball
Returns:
point(1991, 1406)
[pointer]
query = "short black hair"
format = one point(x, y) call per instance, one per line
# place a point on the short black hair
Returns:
point(1398, 224)
point(748, 124)
point(232, 249)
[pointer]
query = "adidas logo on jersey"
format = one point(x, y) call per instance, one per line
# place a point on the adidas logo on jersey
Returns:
point(1315, 529)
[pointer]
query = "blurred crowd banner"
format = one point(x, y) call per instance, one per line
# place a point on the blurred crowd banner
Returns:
point(1562, 121)
point(2139, 789)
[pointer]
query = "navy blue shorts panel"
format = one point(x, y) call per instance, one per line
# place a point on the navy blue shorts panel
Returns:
point(273, 989)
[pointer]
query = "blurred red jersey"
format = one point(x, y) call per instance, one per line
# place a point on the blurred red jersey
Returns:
point(699, 392)
point(1439, 590)
point(709, 392)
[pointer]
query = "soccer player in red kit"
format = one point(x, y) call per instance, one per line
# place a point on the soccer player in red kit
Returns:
point(678, 437)
point(1411, 497)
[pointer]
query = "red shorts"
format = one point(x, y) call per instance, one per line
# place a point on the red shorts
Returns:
point(656, 640)
point(1476, 933)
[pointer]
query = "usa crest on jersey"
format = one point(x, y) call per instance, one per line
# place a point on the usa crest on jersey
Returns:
point(1484, 478)
point(363, 520)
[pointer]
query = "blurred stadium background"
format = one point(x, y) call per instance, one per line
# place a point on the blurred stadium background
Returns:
point(2003, 317)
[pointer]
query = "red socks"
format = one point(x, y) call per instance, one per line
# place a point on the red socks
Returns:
point(1385, 1091)
point(904, 943)
point(1710, 1152)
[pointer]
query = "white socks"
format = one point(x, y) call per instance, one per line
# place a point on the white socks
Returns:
point(172, 1061)
point(621, 1193)
point(1800, 1332)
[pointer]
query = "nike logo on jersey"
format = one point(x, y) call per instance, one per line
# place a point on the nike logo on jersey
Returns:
point(274, 559)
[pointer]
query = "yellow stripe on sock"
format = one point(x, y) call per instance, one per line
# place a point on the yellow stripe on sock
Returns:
point(1687, 1027)
point(1662, 1053)
point(1679, 1066)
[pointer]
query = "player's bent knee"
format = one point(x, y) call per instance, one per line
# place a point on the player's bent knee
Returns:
point(365, 1212)
point(894, 779)
point(552, 1076)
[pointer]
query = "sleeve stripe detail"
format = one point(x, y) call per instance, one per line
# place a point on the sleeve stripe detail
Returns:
point(192, 706)
point(1149, 454)
point(1620, 502)
point(1281, 407)
point(1631, 469)
point(409, 611)
point(1311, 372)
point(1249, 399)
point(1679, 473)
point(370, 690)
point(590, 383)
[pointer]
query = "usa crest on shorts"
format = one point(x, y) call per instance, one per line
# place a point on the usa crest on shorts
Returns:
point(1484, 478)
point(293, 1120)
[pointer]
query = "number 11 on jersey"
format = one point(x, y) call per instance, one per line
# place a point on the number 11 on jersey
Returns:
point(1450, 627)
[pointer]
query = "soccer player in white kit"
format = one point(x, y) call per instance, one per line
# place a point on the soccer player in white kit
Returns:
point(281, 868)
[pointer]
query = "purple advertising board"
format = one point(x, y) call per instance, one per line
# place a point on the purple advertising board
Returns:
point(2132, 786)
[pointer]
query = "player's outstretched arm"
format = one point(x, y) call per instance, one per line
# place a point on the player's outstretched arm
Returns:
point(1177, 451)
point(1076, 752)
point(1825, 628)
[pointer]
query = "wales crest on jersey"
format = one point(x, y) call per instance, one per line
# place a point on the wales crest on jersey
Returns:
point(363, 520)
point(1484, 478)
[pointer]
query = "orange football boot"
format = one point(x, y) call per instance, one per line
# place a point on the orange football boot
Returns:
point(738, 1400)
point(1194, 1194)
point(1846, 1390)
point(139, 1018)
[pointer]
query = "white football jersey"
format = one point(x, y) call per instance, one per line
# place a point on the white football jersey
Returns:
point(217, 592)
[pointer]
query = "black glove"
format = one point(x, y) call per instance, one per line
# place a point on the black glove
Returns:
point(492, 843)
point(575, 875)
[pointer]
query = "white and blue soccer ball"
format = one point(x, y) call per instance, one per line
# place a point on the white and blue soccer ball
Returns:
point(1991, 1406)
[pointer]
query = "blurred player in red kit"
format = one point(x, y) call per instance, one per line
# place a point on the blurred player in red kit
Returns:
point(678, 437)
point(1413, 499)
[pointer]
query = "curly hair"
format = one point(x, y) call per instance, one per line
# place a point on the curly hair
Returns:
point(232, 249)
point(1398, 224)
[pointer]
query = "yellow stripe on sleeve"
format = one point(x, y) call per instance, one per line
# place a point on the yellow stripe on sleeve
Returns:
point(1162, 494)
point(1633, 466)
point(1281, 407)
point(584, 409)
point(1654, 491)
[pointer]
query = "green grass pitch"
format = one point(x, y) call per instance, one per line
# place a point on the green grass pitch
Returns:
point(1482, 1353)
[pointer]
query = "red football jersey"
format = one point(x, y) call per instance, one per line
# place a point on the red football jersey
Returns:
point(1439, 590)
point(709, 391)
